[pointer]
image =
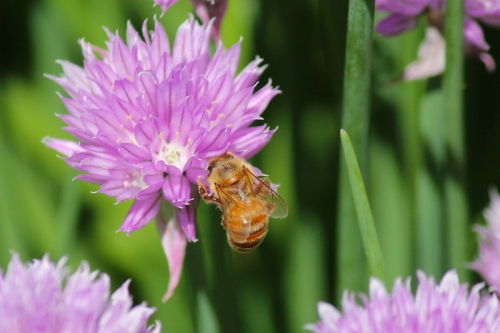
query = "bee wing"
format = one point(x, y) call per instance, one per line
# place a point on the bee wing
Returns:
point(280, 206)
point(262, 187)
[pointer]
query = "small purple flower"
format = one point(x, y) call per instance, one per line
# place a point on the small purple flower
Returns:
point(488, 263)
point(403, 16)
point(206, 11)
point(41, 297)
point(211, 9)
point(445, 308)
point(165, 4)
point(148, 117)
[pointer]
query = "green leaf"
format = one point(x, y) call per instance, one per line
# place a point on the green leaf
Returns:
point(453, 84)
point(355, 120)
point(367, 227)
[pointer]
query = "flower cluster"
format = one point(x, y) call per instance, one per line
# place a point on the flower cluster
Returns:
point(403, 15)
point(148, 117)
point(446, 308)
point(488, 263)
point(41, 297)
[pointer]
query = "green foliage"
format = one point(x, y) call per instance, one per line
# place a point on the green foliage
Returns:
point(365, 219)
point(425, 180)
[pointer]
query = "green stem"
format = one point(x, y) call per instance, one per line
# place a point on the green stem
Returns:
point(351, 272)
point(455, 198)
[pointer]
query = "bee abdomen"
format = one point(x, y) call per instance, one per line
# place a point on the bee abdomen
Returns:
point(248, 245)
point(259, 231)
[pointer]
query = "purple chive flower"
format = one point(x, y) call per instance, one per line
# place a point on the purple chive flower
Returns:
point(206, 11)
point(445, 308)
point(403, 16)
point(488, 263)
point(165, 4)
point(147, 119)
point(41, 297)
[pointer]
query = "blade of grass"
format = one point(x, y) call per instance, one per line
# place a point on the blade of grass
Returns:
point(351, 274)
point(455, 198)
point(371, 244)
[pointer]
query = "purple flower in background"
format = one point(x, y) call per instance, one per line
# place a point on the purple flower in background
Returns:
point(147, 119)
point(41, 297)
point(205, 9)
point(211, 9)
point(445, 308)
point(488, 263)
point(165, 4)
point(403, 16)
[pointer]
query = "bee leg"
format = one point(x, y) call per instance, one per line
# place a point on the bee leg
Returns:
point(224, 222)
point(210, 198)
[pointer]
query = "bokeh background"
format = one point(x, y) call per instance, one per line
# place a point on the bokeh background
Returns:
point(274, 288)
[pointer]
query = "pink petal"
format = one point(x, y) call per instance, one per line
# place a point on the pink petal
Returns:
point(186, 217)
point(196, 168)
point(176, 188)
point(259, 101)
point(132, 153)
point(250, 74)
point(473, 35)
point(488, 61)
point(431, 57)
point(160, 45)
point(142, 212)
point(123, 59)
point(116, 188)
point(215, 142)
point(174, 244)
point(395, 24)
point(164, 4)
point(207, 10)
point(249, 141)
point(65, 147)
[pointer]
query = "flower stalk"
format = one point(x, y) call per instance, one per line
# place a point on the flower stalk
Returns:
point(453, 84)
point(355, 116)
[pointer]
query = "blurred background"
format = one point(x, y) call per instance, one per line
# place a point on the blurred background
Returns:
point(276, 287)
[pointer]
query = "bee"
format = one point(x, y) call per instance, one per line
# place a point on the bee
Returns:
point(246, 201)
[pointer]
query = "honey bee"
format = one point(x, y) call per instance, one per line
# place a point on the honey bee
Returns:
point(246, 201)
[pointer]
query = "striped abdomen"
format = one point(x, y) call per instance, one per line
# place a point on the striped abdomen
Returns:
point(246, 224)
